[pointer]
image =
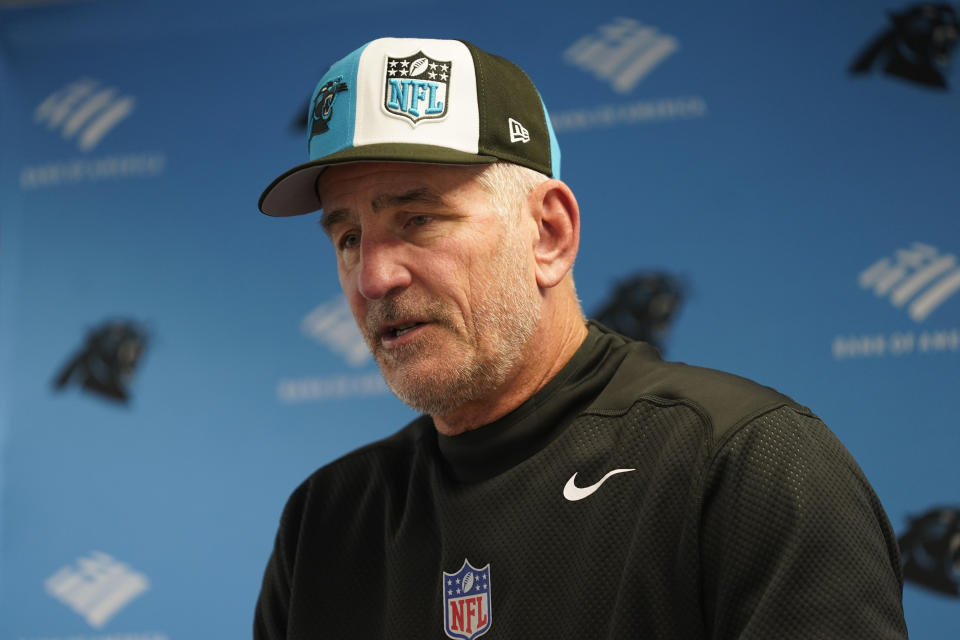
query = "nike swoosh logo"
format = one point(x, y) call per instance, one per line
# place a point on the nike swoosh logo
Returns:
point(573, 493)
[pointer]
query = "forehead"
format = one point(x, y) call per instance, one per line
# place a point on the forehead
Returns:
point(363, 183)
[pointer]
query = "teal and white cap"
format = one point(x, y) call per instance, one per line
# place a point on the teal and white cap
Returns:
point(418, 100)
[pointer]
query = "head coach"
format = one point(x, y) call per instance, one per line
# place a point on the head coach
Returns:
point(563, 480)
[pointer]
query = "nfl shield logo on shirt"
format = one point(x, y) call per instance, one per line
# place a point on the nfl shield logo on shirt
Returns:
point(416, 87)
point(466, 602)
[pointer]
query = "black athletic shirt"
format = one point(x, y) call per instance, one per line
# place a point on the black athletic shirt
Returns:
point(733, 512)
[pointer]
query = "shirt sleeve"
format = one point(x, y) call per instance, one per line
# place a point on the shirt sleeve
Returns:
point(273, 604)
point(270, 616)
point(794, 542)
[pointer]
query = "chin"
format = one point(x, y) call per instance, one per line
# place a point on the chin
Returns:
point(428, 398)
point(437, 388)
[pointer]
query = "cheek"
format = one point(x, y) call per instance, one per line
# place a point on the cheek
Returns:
point(358, 310)
point(343, 277)
point(354, 300)
point(455, 278)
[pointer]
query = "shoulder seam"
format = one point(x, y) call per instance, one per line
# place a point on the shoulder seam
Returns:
point(750, 418)
point(758, 413)
point(716, 443)
point(700, 411)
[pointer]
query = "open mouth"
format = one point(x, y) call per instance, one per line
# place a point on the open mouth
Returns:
point(402, 329)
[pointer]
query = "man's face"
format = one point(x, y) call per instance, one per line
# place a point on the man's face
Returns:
point(441, 285)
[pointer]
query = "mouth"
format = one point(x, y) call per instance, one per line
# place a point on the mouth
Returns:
point(397, 333)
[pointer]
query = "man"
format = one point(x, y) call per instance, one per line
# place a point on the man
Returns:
point(564, 481)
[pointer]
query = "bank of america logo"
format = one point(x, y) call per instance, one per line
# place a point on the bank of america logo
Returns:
point(84, 111)
point(920, 278)
point(332, 325)
point(623, 52)
point(96, 587)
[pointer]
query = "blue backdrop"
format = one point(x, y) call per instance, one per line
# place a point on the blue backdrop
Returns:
point(811, 212)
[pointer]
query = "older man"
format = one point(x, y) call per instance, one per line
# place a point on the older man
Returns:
point(564, 481)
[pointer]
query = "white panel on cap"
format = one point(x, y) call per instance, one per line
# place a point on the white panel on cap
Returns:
point(458, 129)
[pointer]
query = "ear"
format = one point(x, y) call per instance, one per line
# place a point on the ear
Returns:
point(555, 211)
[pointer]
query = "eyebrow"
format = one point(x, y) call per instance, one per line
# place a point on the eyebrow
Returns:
point(420, 195)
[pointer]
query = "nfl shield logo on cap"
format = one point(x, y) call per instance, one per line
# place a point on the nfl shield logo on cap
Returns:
point(466, 602)
point(416, 87)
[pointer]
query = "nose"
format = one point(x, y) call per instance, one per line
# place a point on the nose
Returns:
point(382, 269)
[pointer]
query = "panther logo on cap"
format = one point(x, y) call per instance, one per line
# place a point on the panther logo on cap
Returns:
point(323, 105)
point(416, 87)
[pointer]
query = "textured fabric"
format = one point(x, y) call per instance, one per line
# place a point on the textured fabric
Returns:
point(741, 516)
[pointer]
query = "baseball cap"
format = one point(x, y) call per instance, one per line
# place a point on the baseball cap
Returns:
point(418, 100)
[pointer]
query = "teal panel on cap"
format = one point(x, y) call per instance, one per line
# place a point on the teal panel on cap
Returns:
point(554, 145)
point(343, 108)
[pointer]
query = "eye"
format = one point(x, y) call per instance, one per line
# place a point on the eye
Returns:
point(419, 220)
point(349, 240)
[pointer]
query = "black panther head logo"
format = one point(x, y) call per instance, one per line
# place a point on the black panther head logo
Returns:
point(106, 362)
point(930, 550)
point(643, 306)
point(323, 105)
point(917, 46)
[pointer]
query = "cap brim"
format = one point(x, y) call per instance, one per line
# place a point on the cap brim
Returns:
point(294, 192)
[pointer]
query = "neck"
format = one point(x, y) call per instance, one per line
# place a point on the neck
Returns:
point(540, 361)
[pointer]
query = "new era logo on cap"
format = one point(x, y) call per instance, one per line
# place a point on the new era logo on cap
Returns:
point(518, 133)
point(418, 100)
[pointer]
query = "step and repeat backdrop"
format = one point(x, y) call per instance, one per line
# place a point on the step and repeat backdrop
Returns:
point(766, 188)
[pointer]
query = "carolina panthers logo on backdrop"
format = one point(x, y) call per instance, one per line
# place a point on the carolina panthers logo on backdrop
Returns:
point(466, 602)
point(107, 361)
point(416, 87)
point(931, 550)
point(644, 306)
point(323, 106)
point(917, 46)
